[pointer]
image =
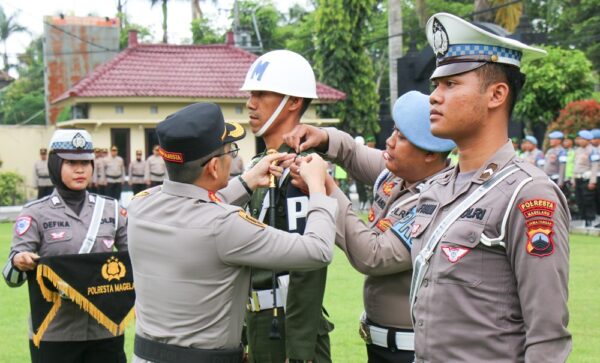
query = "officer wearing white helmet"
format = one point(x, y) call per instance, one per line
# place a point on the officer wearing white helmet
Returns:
point(69, 221)
point(382, 249)
point(282, 84)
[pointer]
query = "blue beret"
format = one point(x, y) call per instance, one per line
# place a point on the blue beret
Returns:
point(411, 116)
point(556, 135)
point(585, 134)
point(531, 139)
point(596, 133)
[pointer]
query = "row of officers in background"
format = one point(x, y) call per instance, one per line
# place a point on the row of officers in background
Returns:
point(110, 172)
point(574, 168)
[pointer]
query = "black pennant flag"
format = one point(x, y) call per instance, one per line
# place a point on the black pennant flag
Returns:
point(100, 283)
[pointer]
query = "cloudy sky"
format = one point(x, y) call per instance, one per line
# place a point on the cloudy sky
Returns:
point(30, 14)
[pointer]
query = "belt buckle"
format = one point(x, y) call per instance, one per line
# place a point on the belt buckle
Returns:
point(365, 332)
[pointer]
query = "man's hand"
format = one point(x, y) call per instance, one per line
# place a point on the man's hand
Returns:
point(260, 174)
point(313, 170)
point(25, 261)
point(304, 137)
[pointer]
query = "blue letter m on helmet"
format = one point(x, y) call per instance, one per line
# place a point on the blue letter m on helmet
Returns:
point(259, 69)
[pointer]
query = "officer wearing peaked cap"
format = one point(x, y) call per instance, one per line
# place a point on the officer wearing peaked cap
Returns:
point(191, 252)
point(555, 159)
point(381, 250)
point(41, 178)
point(60, 224)
point(488, 234)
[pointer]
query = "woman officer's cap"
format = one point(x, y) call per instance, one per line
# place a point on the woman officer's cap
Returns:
point(72, 145)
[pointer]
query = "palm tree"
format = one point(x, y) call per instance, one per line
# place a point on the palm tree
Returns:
point(394, 45)
point(164, 12)
point(506, 16)
point(8, 27)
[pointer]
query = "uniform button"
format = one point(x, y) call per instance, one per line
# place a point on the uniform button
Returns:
point(425, 283)
point(420, 323)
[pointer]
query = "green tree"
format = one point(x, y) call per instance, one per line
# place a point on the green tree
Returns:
point(23, 100)
point(342, 62)
point(8, 27)
point(267, 19)
point(552, 82)
point(203, 33)
point(11, 189)
point(165, 11)
point(144, 34)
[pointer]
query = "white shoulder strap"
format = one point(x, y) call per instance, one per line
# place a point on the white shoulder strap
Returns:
point(92, 232)
point(421, 263)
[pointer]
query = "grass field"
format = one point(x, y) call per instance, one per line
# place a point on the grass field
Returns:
point(344, 303)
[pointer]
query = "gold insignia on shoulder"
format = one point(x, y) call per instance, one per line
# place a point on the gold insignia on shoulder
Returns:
point(141, 194)
point(238, 131)
point(251, 219)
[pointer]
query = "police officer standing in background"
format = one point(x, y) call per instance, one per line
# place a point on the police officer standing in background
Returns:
point(531, 153)
point(596, 144)
point(41, 177)
point(555, 160)
point(490, 238)
point(59, 224)
point(191, 252)
point(114, 169)
point(136, 173)
point(155, 168)
point(585, 173)
point(382, 249)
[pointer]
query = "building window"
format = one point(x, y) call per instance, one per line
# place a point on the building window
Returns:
point(119, 109)
point(80, 111)
point(239, 109)
point(154, 109)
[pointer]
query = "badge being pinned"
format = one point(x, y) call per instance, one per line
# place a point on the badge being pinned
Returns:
point(455, 253)
point(22, 224)
point(539, 237)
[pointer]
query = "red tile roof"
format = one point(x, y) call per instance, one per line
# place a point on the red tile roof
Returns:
point(161, 70)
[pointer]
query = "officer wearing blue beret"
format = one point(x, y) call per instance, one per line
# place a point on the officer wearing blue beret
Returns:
point(585, 173)
point(531, 153)
point(381, 250)
point(555, 159)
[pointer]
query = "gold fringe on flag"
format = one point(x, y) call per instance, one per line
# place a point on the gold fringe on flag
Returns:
point(76, 297)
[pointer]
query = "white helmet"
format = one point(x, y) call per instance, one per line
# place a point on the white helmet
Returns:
point(282, 71)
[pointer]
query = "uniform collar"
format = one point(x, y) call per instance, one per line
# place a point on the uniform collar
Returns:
point(185, 190)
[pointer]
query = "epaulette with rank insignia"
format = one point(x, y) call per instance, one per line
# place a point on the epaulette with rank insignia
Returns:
point(251, 219)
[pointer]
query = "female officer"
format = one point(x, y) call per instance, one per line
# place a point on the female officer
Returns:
point(59, 224)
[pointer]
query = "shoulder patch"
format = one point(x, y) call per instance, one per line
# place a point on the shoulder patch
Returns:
point(251, 219)
point(22, 224)
point(539, 237)
point(537, 208)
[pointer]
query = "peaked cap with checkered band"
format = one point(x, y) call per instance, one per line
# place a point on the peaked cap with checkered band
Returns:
point(460, 46)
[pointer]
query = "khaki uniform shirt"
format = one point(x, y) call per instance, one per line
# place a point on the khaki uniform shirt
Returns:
point(41, 176)
point(114, 168)
point(480, 302)
point(136, 172)
point(535, 157)
point(99, 175)
point(381, 250)
point(56, 230)
point(191, 257)
point(155, 168)
point(586, 163)
point(555, 162)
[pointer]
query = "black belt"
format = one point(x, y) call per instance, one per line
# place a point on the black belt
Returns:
point(114, 176)
point(137, 175)
point(155, 174)
point(166, 353)
point(44, 176)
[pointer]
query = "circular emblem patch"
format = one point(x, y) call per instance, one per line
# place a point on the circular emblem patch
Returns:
point(440, 39)
point(78, 141)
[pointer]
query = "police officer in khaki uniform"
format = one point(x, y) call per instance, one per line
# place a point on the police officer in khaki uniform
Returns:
point(585, 173)
point(555, 160)
point(596, 144)
point(382, 249)
point(137, 169)
point(531, 153)
point(58, 225)
point(191, 253)
point(41, 178)
point(155, 168)
point(490, 238)
point(99, 175)
point(114, 170)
